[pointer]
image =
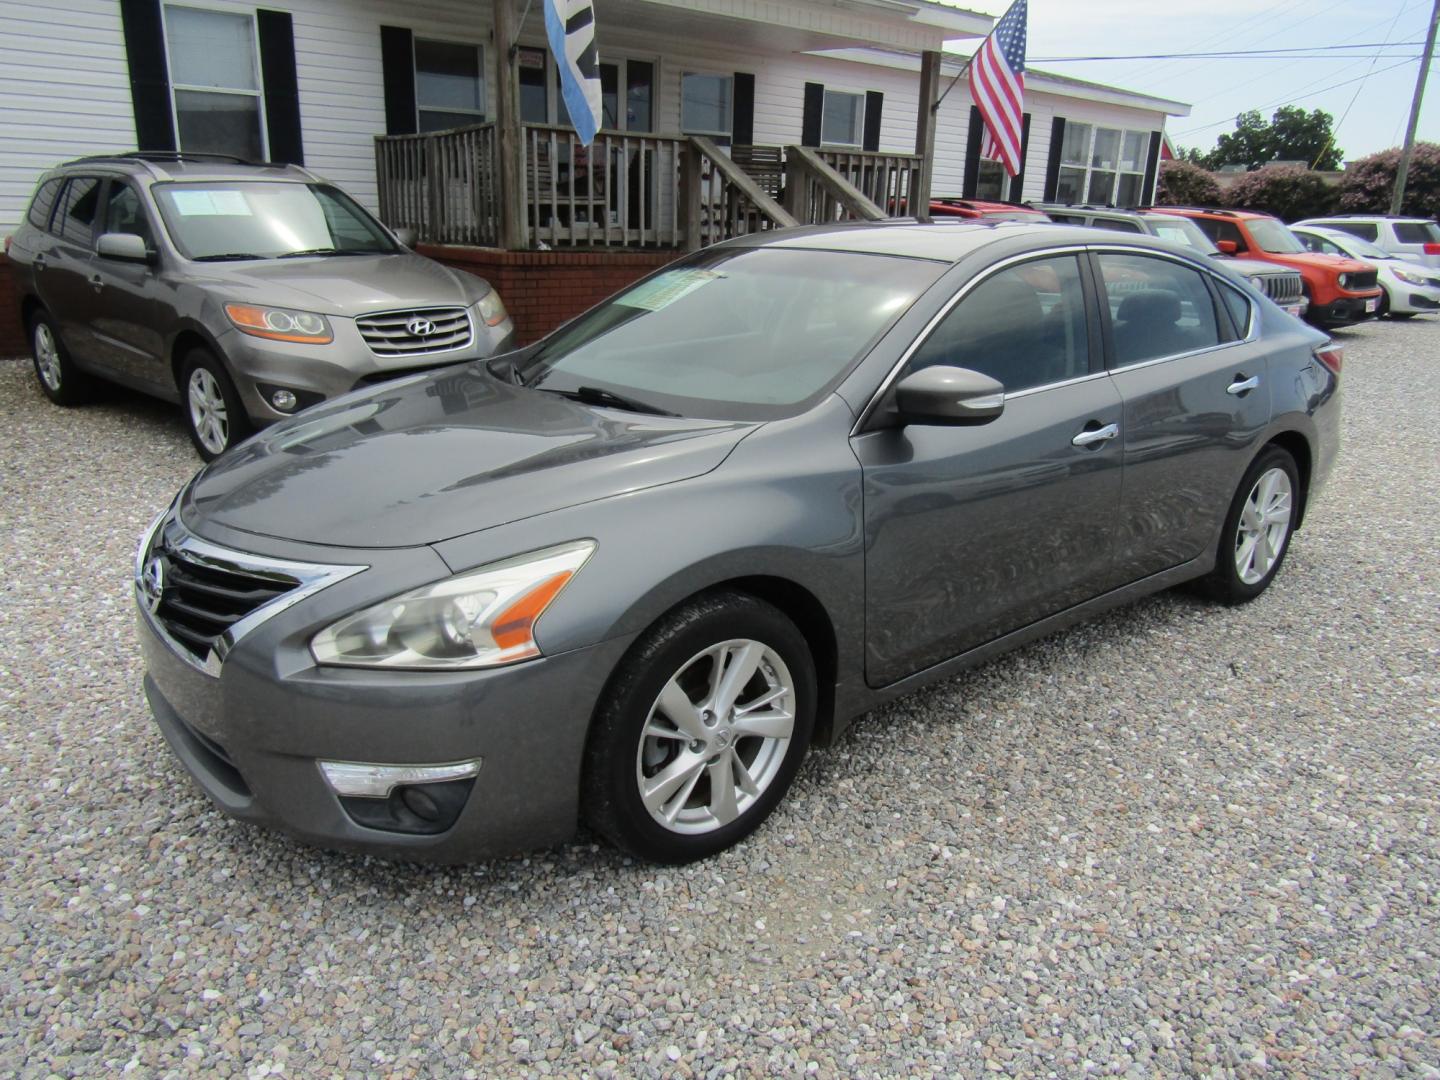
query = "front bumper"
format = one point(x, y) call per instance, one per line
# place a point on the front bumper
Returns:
point(254, 732)
point(1407, 299)
point(1345, 309)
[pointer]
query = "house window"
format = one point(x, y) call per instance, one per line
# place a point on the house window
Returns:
point(842, 122)
point(991, 181)
point(706, 104)
point(215, 82)
point(1103, 166)
point(449, 92)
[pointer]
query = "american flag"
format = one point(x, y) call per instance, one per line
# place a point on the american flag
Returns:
point(997, 85)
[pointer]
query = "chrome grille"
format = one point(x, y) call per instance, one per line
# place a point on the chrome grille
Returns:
point(199, 602)
point(1364, 280)
point(1283, 288)
point(410, 333)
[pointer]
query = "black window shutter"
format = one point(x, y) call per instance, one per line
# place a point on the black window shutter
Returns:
point(814, 107)
point(1052, 167)
point(149, 74)
point(874, 107)
point(397, 62)
point(742, 127)
point(282, 88)
point(1017, 182)
point(972, 154)
point(1152, 168)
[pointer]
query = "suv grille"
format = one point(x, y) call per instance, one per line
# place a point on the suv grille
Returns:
point(199, 602)
point(407, 333)
point(1365, 280)
point(1282, 288)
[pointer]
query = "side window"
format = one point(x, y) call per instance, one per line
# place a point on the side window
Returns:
point(1411, 232)
point(1318, 244)
point(76, 218)
point(1024, 326)
point(1364, 230)
point(1157, 307)
point(124, 214)
point(1115, 225)
point(1228, 230)
point(1239, 307)
point(44, 202)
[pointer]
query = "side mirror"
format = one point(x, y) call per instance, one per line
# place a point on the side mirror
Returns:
point(948, 395)
point(124, 246)
point(1228, 247)
point(407, 236)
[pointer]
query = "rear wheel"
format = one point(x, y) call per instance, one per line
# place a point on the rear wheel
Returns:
point(213, 412)
point(62, 382)
point(1257, 531)
point(701, 731)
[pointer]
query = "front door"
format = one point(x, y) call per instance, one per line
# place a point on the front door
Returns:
point(1196, 402)
point(129, 319)
point(975, 531)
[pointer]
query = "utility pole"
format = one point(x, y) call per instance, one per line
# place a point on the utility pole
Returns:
point(1402, 173)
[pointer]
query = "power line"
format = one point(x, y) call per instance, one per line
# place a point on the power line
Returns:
point(1230, 55)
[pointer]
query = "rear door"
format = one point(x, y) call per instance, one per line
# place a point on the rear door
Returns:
point(972, 532)
point(1193, 378)
point(64, 284)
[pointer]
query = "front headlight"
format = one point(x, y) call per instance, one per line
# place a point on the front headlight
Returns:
point(491, 309)
point(482, 618)
point(280, 324)
point(1344, 281)
point(1409, 278)
point(1258, 282)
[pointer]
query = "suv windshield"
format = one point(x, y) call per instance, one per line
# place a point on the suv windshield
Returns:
point(266, 220)
point(1271, 236)
point(741, 334)
point(1182, 231)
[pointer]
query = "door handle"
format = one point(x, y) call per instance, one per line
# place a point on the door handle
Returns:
point(1093, 436)
point(1242, 385)
point(97, 281)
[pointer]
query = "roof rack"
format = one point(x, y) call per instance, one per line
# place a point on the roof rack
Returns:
point(1093, 207)
point(151, 158)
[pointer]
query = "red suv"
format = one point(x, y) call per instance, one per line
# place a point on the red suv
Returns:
point(943, 207)
point(1339, 290)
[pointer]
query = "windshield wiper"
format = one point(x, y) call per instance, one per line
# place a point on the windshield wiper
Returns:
point(229, 256)
point(594, 395)
point(331, 251)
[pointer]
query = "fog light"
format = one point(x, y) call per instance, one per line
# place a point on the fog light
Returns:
point(283, 400)
point(362, 780)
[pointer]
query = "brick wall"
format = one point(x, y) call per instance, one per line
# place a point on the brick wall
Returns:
point(12, 334)
point(544, 288)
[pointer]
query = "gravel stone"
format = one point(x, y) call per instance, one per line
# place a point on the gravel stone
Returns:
point(1181, 839)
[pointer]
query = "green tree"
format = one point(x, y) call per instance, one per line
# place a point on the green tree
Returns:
point(1183, 183)
point(1367, 184)
point(1291, 135)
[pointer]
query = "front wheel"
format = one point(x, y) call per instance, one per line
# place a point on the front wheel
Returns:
point(1257, 529)
point(213, 412)
point(701, 731)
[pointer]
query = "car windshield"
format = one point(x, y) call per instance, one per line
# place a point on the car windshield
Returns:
point(1353, 245)
point(1273, 237)
point(266, 220)
point(1182, 231)
point(737, 333)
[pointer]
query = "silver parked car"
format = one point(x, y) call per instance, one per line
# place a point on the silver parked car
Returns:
point(246, 293)
point(1410, 288)
point(630, 573)
point(1414, 239)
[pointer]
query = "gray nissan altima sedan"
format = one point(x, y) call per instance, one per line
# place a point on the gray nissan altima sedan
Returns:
point(629, 574)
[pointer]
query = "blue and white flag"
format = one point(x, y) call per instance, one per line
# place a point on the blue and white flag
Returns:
point(570, 26)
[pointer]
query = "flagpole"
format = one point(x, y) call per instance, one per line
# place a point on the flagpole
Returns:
point(958, 76)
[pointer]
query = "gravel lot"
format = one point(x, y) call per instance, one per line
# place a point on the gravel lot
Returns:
point(1179, 840)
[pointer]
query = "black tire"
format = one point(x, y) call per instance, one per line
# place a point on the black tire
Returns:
point(1401, 316)
point(1226, 583)
point(212, 432)
point(618, 753)
point(60, 380)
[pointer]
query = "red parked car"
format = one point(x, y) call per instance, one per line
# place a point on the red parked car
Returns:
point(943, 207)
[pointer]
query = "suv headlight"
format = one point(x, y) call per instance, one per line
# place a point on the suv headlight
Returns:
point(481, 618)
point(280, 324)
point(1258, 282)
point(1344, 281)
point(491, 309)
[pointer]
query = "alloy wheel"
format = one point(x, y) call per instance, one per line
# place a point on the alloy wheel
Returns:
point(1264, 526)
point(207, 411)
point(47, 357)
point(716, 736)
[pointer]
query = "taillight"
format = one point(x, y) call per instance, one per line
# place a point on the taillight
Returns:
point(1331, 355)
point(7, 244)
point(1432, 249)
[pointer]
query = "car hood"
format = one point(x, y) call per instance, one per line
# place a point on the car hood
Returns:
point(344, 285)
point(1338, 263)
point(440, 455)
point(1251, 267)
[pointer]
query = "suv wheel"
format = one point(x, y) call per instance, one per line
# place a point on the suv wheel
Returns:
point(213, 412)
point(62, 382)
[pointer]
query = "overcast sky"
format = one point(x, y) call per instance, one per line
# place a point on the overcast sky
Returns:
point(1219, 89)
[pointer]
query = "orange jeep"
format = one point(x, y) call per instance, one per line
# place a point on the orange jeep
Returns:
point(1339, 290)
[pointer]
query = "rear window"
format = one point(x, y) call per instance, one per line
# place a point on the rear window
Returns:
point(1116, 226)
point(1364, 230)
point(1416, 232)
point(44, 202)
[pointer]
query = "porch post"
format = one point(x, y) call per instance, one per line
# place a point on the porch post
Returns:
point(510, 170)
point(925, 134)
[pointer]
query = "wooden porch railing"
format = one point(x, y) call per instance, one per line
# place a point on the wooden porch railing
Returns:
point(886, 179)
point(441, 184)
point(815, 194)
point(721, 200)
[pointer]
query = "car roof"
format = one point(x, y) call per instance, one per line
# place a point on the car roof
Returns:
point(947, 241)
point(1210, 211)
point(176, 167)
point(1369, 217)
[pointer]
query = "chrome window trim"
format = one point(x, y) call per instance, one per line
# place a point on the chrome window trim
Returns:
point(310, 579)
point(990, 271)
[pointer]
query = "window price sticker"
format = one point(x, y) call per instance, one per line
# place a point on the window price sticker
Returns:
point(664, 289)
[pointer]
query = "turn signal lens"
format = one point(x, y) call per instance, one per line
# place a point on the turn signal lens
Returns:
point(280, 324)
point(1331, 355)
